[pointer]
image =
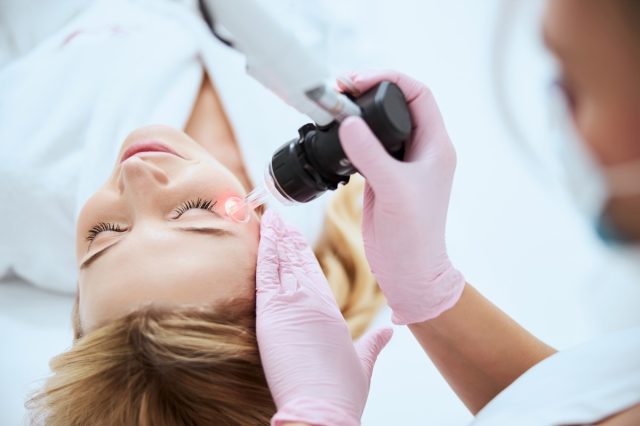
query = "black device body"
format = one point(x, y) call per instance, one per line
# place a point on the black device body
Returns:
point(315, 162)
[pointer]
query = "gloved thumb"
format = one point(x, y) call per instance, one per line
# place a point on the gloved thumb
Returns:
point(369, 346)
point(365, 151)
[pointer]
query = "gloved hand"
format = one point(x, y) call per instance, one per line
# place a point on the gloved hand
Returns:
point(316, 374)
point(405, 204)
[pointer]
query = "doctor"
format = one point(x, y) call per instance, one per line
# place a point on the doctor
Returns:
point(501, 372)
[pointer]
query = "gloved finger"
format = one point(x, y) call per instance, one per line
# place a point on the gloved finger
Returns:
point(366, 152)
point(365, 80)
point(268, 266)
point(428, 125)
point(368, 203)
point(368, 347)
point(298, 261)
point(288, 270)
point(345, 85)
point(285, 260)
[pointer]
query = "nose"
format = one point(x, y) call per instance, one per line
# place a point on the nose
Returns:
point(139, 180)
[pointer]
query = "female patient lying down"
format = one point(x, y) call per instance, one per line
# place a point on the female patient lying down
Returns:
point(164, 319)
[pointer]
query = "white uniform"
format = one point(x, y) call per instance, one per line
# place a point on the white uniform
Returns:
point(577, 386)
point(67, 105)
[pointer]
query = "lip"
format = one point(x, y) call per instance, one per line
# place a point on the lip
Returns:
point(147, 146)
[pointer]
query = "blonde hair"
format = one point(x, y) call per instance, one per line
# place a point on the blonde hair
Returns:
point(341, 254)
point(196, 366)
point(161, 367)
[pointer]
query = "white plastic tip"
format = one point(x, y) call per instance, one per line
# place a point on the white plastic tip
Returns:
point(237, 210)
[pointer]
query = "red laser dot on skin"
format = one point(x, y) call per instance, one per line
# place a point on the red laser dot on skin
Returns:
point(237, 210)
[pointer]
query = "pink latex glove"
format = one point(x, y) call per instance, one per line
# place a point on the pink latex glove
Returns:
point(405, 204)
point(316, 374)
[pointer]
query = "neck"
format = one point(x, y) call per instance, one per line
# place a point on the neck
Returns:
point(210, 127)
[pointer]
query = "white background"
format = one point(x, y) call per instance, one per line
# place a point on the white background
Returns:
point(513, 237)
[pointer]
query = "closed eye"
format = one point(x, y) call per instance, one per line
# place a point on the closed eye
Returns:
point(198, 203)
point(102, 227)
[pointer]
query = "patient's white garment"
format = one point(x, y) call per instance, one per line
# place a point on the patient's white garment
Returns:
point(66, 106)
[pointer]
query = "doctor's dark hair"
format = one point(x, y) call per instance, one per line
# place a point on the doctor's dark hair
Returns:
point(632, 7)
point(630, 10)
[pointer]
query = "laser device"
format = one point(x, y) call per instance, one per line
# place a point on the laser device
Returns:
point(314, 162)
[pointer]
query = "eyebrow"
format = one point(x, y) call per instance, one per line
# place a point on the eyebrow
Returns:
point(205, 230)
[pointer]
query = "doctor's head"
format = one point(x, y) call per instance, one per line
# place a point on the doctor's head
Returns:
point(597, 44)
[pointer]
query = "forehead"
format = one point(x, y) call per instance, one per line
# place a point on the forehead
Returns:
point(595, 41)
point(167, 268)
point(584, 22)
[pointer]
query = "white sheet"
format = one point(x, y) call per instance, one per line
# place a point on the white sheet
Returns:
point(34, 326)
point(117, 66)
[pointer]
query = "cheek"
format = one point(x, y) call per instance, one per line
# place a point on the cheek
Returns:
point(254, 229)
point(93, 302)
point(247, 252)
point(211, 179)
point(609, 131)
point(248, 249)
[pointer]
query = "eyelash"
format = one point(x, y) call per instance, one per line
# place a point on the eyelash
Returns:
point(198, 203)
point(101, 227)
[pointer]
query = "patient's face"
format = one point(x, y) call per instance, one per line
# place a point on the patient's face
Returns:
point(155, 233)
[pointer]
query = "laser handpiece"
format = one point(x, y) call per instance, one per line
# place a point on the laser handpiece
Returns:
point(306, 167)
